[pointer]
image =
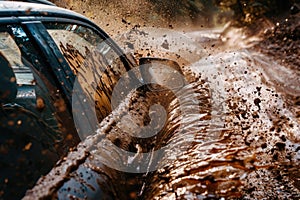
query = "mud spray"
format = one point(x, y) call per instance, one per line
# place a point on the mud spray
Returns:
point(240, 138)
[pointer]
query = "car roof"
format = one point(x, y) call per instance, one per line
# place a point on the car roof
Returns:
point(36, 1)
point(23, 9)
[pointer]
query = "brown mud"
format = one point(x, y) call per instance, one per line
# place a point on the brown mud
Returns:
point(246, 134)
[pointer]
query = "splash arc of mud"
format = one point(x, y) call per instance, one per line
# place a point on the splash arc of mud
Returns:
point(86, 84)
point(243, 135)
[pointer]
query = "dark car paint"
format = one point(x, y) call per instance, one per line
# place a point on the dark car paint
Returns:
point(38, 1)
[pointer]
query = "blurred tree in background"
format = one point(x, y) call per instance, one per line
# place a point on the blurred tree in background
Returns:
point(245, 12)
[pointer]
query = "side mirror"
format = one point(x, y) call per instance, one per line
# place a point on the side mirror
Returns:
point(163, 72)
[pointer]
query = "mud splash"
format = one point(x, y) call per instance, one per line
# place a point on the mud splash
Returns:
point(257, 110)
point(258, 140)
point(243, 134)
point(246, 138)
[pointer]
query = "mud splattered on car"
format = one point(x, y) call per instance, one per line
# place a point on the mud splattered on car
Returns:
point(238, 136)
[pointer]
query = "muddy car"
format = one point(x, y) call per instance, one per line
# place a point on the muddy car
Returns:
point(104, 125)
point(43, 51)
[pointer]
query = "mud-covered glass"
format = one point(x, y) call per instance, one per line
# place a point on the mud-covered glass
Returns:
point(96, 64)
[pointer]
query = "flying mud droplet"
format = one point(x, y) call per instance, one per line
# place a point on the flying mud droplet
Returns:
point(165, 44)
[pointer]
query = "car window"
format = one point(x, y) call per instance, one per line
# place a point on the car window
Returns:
point(11, 51)
point(32, 91)
point(32, 135)
point(97, 65)
point(26, 95)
